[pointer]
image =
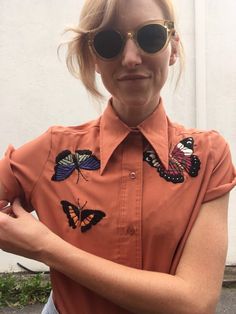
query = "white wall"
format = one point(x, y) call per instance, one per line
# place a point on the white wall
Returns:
point(221, 86)
point(36, 90)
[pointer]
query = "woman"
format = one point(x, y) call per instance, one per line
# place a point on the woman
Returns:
point(133, 207)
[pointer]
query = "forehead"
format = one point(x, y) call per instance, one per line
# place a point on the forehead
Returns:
point(131, 13)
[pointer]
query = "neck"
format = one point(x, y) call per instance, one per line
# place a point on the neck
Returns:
point(133, 115)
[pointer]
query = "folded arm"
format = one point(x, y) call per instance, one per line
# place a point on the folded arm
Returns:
point(194, 289)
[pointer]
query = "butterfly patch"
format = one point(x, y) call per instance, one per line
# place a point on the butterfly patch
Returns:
point(78, 217)
point(181, 159)
point(67, 163)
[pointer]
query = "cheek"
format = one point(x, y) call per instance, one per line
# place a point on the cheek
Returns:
point(165, 57)
point(160, 67)
point(164, 61)
point(108, 83)
point(105, 69)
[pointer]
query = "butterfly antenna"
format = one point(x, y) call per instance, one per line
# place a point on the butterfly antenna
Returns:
point(81, 207)
point(80, 172)
point(84, 205)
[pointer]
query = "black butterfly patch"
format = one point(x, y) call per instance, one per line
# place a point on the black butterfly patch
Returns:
point(67, 162)
point(181, 159)
point(80, 217)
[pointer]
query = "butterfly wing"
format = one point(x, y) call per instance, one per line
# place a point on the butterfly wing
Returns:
point(64, 167)
point(181, 159)
point(172, 174)
point(195, 166)
point(152, 158)
point(72, 212)
point(86, 160)
point(184, 157)
point(90, 217)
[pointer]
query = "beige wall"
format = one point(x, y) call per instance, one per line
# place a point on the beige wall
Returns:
point(36, 90)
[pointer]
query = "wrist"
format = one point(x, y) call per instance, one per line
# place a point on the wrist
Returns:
point(48, 248)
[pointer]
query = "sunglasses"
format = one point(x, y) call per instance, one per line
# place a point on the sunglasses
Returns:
point(151, 37)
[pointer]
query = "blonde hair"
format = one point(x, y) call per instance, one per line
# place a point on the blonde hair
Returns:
point(96, 14)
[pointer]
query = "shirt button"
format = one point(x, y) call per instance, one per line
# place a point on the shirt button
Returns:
point(131, 230)
point(132, 175)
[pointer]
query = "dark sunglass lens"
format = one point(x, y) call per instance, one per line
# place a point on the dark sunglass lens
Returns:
point(152, 38)
point(107, 43)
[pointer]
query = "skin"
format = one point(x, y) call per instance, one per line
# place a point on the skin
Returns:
point(195, 288)
point(134, 100)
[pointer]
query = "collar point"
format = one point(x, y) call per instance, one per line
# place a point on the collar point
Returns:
point(102, 168)
point(166, 163)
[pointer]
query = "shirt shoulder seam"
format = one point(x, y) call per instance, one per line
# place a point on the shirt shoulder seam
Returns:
point(44, 165)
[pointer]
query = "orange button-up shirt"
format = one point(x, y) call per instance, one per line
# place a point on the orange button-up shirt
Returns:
point(130, 195)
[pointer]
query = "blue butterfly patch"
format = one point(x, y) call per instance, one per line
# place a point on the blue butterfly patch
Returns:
point(67, 163)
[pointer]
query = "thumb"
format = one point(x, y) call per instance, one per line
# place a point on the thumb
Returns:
point(17, 209)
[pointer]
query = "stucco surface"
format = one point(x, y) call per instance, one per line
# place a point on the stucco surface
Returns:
point(36, 90)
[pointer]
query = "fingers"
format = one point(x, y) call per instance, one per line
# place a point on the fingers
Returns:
point(5, 208)
point(14, 210)
point(17, 208)
point(3, 204)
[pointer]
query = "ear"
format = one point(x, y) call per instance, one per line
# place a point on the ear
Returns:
point(97, 68)
point(174, 49)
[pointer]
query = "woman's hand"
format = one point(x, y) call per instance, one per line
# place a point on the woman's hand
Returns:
point(194, 289)
point(5, 208)
point(20, 232)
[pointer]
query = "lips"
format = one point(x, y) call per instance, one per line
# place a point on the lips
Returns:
point(133, 77)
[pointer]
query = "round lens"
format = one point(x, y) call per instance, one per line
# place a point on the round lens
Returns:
point(107, 43)
point(152, 38)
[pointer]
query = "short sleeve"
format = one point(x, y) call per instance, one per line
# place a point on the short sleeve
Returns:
point(21, 168)
point(222, 176)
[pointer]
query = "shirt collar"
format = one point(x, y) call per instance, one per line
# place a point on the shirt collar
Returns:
point(155, 129)
point(113, 131)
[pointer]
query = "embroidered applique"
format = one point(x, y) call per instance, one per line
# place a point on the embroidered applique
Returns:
point(180, 159)
point(67, 162)
point(80, 217)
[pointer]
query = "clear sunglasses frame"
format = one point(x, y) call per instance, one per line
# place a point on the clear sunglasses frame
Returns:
point(166, 24)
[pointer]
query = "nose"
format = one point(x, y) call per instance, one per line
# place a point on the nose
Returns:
point(131, 56)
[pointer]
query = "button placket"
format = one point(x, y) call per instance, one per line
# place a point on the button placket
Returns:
point(130, 205)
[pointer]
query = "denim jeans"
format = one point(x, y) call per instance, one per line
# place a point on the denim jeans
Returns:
point(49, 307)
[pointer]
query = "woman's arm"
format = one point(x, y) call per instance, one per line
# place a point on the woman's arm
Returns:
point(194, 289)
